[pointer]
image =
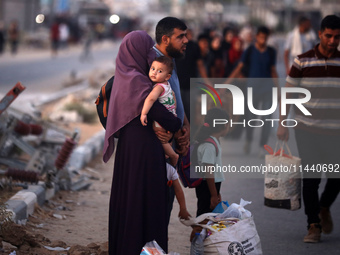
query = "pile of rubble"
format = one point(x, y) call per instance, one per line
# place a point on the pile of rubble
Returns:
point(33, 150)
point(38, 149)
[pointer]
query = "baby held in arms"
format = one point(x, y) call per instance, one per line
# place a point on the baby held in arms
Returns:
point(160, 73)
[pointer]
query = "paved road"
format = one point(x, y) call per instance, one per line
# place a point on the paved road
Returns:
point(281, 231)
point(41, 73)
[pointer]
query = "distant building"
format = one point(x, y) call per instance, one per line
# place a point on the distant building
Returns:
point(92, 12)
point(288, 11)
point(24, 11)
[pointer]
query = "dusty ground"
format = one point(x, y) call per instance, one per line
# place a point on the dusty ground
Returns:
point(5, 195)
point(72, 218)
point(81, 218)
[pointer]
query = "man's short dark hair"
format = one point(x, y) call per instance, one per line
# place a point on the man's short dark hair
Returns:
point(263, 29)
point(302, 20)
point(204, 37)
point(165, 61)
point(166, 27)
point(227, 30)
point(331, 22)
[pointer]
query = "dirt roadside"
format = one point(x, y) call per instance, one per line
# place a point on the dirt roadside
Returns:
point(80, 219)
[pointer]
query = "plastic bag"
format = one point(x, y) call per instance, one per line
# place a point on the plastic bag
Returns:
point(282, 189)
point(236, 211)
point(152, 248)
point(221, 207)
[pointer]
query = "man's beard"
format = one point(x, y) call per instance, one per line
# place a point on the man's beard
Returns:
point(173, 52)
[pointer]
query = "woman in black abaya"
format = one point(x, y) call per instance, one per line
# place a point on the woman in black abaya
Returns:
point(138, 203)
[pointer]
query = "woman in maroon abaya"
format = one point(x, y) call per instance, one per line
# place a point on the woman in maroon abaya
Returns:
point(138, 203)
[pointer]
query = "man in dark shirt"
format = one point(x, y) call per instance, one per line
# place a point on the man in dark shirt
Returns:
point(190, 66)
point(258, 61)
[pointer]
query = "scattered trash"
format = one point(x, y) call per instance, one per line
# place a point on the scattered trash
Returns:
point(236, 211)
point(57, 248)
point(152, 248)
point(58, 216)
point(62, 208)
point(22, 222)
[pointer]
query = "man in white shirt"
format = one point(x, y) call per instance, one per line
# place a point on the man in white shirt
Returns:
point(300, 40)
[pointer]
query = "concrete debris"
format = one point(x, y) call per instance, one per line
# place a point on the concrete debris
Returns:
point(74, 108)
point(33, 149)
point(66, 116)
point(81, 184)
point(42, 150)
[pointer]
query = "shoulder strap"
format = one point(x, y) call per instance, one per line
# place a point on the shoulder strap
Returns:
point(210, 140)
point(104, 99)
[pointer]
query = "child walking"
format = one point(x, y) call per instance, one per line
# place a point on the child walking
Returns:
point(173, 179)
point(209, 155)
point(160, 73)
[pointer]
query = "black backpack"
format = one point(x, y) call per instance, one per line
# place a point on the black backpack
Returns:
point(102, 101)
